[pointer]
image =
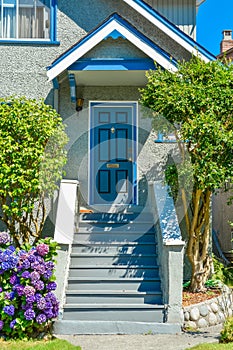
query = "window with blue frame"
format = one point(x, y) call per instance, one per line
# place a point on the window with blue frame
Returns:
point(27, 19)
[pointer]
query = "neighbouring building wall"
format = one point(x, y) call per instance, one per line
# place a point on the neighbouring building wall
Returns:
point(180, 12)
point(222, 214)
point(226, 45)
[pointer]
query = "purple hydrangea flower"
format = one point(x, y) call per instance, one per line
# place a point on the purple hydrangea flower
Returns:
point(0, 290)
point(41, 318)
point(5, 266)
point(38, 296)
point(29, 291)
point(13, 279)
point(30, 299)
point(22, 254)
point(38, 267)
point(42, 249)
point(26, 274)
point(47, 274)
point(50, 265)
point(39, 259)
point(49, 313)
point(29, 314)
point(41, 304)
point(26, 264)
point(4, 238)
point(51, 297)
point(35, 276)
point(9, 310)
point(55, 313)
point(12, 324)
point(19, 289)
point(9, 295)
point(1, 325)
point(51, 286)
point(27, 306)
point(11, 248)
point(31, 258)
point(39, 285)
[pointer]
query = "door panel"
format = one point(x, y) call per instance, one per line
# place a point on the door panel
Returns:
point(113, 153)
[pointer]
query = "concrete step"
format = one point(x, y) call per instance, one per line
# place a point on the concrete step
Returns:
point(114, 327)
point(111, 237)
point(107, 259)
point(114, 312)
point(115, 248)
point(121, 271)
point(117, 217)
point(113, 297)
point(141, 284)
point(85, 227)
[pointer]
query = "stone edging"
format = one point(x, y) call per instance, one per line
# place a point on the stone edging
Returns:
point(210, 312)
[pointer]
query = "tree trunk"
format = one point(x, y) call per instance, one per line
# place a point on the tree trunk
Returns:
point(198, 229)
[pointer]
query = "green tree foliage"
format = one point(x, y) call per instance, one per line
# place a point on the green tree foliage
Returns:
point(32, 156)
point(198, 101)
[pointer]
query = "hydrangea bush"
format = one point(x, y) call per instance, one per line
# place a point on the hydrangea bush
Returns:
point(27, 300)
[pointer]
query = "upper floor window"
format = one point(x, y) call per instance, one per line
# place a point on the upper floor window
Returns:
point(27, 19)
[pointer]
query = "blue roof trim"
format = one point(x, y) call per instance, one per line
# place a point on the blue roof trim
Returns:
point(28, 42)
point(115, 35)
point(112, 64)
point(122, 22)
point(175, 29)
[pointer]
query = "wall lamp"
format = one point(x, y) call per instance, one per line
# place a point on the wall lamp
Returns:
point(79, 104)
point(74, 99)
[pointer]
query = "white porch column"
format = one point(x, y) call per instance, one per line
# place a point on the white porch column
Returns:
point(66, 212)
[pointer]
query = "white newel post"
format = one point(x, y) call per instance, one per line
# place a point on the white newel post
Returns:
point(66, 212)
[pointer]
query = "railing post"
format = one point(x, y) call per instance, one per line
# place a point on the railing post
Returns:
point(170, 250)
point(67, 212)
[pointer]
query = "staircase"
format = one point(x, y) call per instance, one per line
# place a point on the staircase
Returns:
point(113, 284)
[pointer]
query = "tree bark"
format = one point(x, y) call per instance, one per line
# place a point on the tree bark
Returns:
point(198, 229)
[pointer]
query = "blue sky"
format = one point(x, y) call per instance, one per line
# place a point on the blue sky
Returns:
point(213, 17)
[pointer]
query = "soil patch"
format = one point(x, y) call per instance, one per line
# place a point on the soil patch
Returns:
point(196, 298)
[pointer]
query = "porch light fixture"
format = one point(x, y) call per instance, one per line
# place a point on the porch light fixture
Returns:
point(79, 104)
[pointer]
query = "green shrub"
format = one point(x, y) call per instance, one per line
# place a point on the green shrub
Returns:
point(226, 335)
point(222, 273)
point(32, 156)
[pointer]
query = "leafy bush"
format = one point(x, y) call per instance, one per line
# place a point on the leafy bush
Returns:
point(222, 273)
point(32, 157)
point(226, 335)
point(27, 301)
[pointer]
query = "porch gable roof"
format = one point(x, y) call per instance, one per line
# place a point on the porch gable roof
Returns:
point(114, 25)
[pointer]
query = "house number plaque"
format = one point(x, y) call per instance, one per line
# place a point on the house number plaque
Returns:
point(113, 166)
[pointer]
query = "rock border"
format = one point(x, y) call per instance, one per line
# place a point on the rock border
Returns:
point(210, 312)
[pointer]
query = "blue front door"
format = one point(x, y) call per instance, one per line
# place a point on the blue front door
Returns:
point(113, 153)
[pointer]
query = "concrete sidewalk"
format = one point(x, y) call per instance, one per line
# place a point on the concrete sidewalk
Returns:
point(181, 341)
